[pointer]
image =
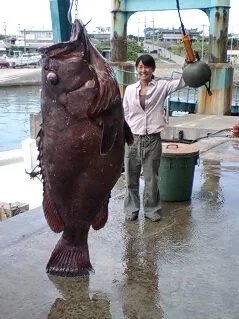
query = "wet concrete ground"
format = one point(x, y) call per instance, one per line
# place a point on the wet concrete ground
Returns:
point(185, 266)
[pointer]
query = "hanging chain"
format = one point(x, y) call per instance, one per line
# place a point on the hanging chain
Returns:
point(69, 15)
point(76, 9)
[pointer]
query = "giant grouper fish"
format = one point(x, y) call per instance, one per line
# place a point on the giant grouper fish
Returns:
point(81, 146)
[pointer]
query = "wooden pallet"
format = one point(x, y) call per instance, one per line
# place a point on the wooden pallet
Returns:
point(8, 210)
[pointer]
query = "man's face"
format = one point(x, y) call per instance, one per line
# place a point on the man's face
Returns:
point(145, 72)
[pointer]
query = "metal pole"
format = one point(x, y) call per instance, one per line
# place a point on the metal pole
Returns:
point(144, 31)
point(231, 47)
point(202, 40)
point(138, 30)
point(24, 40)
point(153, 33)
point(5, 30)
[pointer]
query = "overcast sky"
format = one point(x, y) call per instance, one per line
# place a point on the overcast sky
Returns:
point(36, 14)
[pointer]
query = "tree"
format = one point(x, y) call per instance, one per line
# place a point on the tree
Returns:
point(197, 46)
point(133, 49)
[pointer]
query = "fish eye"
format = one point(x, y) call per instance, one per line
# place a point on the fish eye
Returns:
point(52, 77)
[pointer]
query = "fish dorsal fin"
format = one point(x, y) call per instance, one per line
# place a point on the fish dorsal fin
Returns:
point(109, 93)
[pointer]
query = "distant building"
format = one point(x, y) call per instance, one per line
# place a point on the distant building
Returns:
point(233, 56)
point(32, 40)
point(3, 48)
point(171, 35)
point(99, 37)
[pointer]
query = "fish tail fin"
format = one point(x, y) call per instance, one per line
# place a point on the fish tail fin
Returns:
point(102, 216)
point(68, 260)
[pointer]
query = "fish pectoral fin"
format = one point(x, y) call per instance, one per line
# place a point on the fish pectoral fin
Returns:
point(100, 220)
point(53, 219)
point(102, 216)
point(129, 138)
point(108, 138)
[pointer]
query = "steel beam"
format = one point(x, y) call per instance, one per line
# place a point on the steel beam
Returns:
point(160, 5)
point(61, 27)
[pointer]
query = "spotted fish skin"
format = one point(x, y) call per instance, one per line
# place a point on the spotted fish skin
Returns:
point(81, 146)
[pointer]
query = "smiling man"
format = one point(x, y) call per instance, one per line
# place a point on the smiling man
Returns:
point(144, 111)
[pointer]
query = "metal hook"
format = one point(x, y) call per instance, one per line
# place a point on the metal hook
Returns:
point(208, 88)
point(69, 17)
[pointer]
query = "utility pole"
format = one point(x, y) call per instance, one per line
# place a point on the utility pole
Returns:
point(153, 33)
point(24, 40)
point(231, 59)
point(144, 30)
point(5, 29)
point(203, 38)
point(138, 30)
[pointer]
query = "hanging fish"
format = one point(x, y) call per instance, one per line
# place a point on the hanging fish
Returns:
point(81, 146)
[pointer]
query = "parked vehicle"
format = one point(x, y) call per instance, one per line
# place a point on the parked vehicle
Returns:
point(4, 64)
point(20, 59)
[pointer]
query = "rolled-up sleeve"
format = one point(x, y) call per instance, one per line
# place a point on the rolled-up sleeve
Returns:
point(174, 85)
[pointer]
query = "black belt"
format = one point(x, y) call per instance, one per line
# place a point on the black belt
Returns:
point(145, 135)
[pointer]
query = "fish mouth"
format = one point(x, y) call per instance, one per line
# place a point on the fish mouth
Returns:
point(78, 33)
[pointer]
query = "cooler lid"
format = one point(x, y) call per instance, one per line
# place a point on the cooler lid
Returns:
point(179, 149)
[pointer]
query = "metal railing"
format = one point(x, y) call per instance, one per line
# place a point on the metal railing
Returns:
point(235, 99)
point(186, 96)
point(125, 77)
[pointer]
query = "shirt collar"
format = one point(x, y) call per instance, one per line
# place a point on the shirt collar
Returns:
point(151, 83)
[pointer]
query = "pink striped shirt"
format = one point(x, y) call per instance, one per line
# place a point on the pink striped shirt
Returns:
point(150, 120)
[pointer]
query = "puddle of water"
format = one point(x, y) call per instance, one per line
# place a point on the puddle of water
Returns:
point(185, 266)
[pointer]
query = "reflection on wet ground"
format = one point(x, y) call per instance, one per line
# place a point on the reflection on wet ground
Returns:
point(185, 266)
point(77, 302)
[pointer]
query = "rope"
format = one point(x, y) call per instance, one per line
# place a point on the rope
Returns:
point(34, 173)
point(182, 25)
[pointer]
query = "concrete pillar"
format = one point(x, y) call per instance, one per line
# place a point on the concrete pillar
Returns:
point(219, 103)
point(118, 31)
point(222, 73)
point(30, 152)
point(35, 123)
point(219, 18)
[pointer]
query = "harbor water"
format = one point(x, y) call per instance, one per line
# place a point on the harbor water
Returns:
point(18, 102)
point(16, 105)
